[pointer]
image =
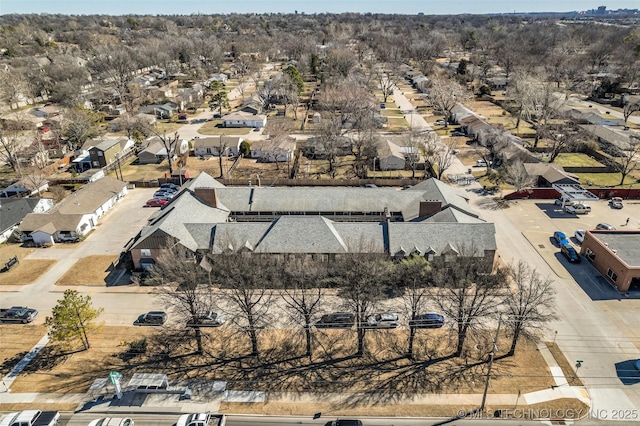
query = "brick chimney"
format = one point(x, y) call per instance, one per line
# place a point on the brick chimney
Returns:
point(209, 196)
point(429, 208)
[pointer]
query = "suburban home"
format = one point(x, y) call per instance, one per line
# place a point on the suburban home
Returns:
point(23, 188)
point(154, 152)
point(76, 215)
point(615, 137)
point(429, 219)
point(13, 211)
point(221, 77)
point(473, 125)
point(270, 151)
point(212, 145)
point(544, 175)
point(105, 152)
point(390, 156)
point(244, 119)
point(615, 254)
point(161, 111)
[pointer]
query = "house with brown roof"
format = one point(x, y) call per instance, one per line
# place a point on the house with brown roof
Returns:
point(76, 215)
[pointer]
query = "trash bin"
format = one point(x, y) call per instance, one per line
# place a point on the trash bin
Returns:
point(469, 171)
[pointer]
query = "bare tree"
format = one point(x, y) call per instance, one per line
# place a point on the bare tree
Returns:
point(244, 280)
point(302, 295)
point(34, 177)
point(516, 175)
point(439, 154)
point(628, 109)
point(444, 94)
point(363, 277)
point(170, 143)
point(179, 276)
point(10, 142)
point(627, 161)
point(12, 87)
point(78, 126)
point(414, 276)
point(468, 290)
point(117, 67)
point(530, 302)
point(386, 80)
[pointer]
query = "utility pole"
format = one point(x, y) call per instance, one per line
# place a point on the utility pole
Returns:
point(491, 355)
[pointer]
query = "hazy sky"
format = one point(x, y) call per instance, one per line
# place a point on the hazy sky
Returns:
point(188, 7)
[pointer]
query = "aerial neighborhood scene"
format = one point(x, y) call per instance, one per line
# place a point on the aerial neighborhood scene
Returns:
point(335, 213)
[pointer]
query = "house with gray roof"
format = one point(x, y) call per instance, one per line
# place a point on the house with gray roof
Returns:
point(430, 218)
point(13, 211)
point(76, 215)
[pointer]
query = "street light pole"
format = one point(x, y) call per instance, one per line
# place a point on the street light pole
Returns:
point(491, 356)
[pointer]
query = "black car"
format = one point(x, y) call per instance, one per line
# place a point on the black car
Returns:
point(344, 422)
point(427, 321)
point(152, 318)
point(18, 314)
point(570, 253)
point(336, 320)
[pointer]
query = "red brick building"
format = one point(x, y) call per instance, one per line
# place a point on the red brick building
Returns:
point(616, 254)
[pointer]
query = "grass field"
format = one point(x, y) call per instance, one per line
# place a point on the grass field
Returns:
point(27, 270)
point(89, 271)
point(576, 159)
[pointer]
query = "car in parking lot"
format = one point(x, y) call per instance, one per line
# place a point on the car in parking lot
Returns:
point(336, 320)
point(440, 122)
point(156, 202)
point(152, 318)
point(560, 238)
point(386, 320)
point(605, 227)
point(567, 202)
point(345, 422)
point(206, 319)
point(427, 321)
point(578, 209)
point(172, 186)
point(112, 421)
point(579, 235)
point(457, 133)
point(570, 253)
point(162, 195)
point(616, 203)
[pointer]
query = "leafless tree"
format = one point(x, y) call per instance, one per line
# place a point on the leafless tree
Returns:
point(627, 161)
point(386, 80)
point(10, 142)
point(439, 154)
point(170, 144)
point(363, 277)
point(414, 276)
point(530, 302)
point(444, 94)
point(117, 67)
point(516, 175)
point(468, 291)
point(79, 125)
point(629, 108)
point(278, 132)
point(539, 105)
point(245, 280)
point(12, 87)
point(302, 295)
point(180, 279)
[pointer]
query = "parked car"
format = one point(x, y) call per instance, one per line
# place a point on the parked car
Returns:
point(578, 209)
point(382, 321)
point(560, 238)
point(207, 319)
point(31, 418)
point(345, 422)
point(163, 195)
point(570, 253)
point(152, 318)
point(336, 320)
point(202, 419)
point(579, 235)
point(112, 421)
point(18, 314)
point(616, 203)
point(383, 106)
point(605, 227)
point(156, 202)
point(440, 123)
point(482, 163)
point(170, 186)
point(457, 133)
point(427, 321)
point(567, 202)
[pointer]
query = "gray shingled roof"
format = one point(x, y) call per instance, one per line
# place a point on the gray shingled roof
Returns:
point(60, 222)
point(12, 211)
point(87, 199)
point(439, 236)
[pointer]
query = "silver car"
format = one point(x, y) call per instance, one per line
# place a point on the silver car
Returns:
point(579, 235)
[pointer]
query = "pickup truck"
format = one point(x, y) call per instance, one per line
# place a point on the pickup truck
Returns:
point(201, 419)
point(17, 314)
point(31, 418)
point(578, 209)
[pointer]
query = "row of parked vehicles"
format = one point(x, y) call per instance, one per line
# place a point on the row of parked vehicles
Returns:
point(162, 196)
point(333, 320)
point(573, 207)
point(567, 249)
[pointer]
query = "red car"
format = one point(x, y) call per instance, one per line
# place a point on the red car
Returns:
point(156, 202)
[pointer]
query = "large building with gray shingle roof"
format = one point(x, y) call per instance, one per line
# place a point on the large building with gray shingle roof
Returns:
point(429, 219)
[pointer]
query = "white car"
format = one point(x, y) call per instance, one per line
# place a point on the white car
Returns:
point(578, 209)
point(112, 421)
point(382, 321)
point(579, 235)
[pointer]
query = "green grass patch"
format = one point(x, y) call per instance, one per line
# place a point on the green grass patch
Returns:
point(607, 180)
point(167, 127)
point(397, 124)
point(391, 112)
point(576, 159)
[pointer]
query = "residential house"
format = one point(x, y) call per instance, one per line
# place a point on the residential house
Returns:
point(221, 77)
point(390, 156)
point(76, 215)
point(252, 105)
point(154, 152)
point(106, 151)
point(161, 111)
point(244, 119)
point(23, 188)
point(13, 211)
point(429, 219)
point(473, 126)
point(545, 175)
point(229, 145)
point(270, 151)
point(614, 137)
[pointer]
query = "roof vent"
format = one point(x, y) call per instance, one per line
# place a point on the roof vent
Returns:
point(614, 251)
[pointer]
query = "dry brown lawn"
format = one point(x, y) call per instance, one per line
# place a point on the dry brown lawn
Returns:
point(567, 369)
point(282, 366)
point(25, 272)
point(17, 340)
point(90, 271)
